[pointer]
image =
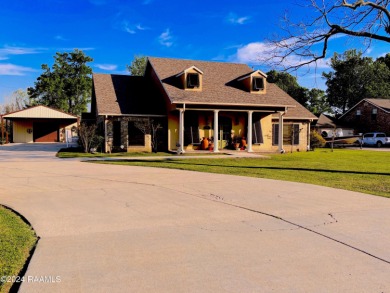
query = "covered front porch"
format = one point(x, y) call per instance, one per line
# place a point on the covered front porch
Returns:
point(213, 128)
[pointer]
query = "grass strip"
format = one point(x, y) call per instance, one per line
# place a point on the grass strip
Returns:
point(78, 153)
point(355, 170)
point(17, 239)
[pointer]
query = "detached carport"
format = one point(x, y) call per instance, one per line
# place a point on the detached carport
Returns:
point(40, 124)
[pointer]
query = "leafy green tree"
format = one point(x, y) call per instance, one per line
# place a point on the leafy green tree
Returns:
point(354, 78)
point(385, 60)
point(318, 102)
point(289, 84)
point(67, 85)
point(137, 66)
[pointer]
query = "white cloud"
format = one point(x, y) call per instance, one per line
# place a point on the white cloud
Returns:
point(60, 38)
point(12, 69)
point(234, 19)
point(258, 53)
point(106, 66)
point(132, 29)
point(166, 38)
point(141, 28)
point(7, 51)
point(126, 27)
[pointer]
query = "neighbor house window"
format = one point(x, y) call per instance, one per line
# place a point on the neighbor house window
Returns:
point(374, 114)
point(192, 80)
point(258, 84)
point(358, 114)
point(136, 136)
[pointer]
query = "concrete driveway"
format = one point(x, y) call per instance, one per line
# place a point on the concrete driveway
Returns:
point(108, 228)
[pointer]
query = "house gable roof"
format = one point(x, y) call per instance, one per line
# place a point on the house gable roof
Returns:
point(325, 121)
point(40, 111)
point(384, 104)
point(190, 69)
point(221, 86)
point(253, 73)
point(123, 94)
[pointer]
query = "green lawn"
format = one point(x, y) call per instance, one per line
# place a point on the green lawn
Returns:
point(77, 153)
point(16, 241)
point(356, 170)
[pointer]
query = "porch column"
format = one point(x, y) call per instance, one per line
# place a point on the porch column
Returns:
point(2, 129)
point(308, 135)
point(281, 132)
point(180, 150)
point(249, 134)
point(216, 131)
point(105, 134)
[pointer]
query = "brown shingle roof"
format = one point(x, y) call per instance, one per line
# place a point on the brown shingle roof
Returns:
point(382, 103)
point(124, 94)
point(220, 86)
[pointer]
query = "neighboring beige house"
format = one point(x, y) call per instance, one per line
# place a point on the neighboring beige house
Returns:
point(40, 124)
point(227, 104)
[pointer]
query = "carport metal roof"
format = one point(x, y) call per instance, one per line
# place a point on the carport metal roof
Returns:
point(39, 112)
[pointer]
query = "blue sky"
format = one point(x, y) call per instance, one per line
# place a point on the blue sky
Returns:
point(113, 31)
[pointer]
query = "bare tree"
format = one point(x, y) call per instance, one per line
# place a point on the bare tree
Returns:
point(17, 101)
point(89, 137)
point(306, 42)
point(149, 126)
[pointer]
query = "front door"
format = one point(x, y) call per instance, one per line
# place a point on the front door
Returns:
point(225, 128)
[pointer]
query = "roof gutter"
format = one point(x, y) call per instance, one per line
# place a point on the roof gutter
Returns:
point(234, 104)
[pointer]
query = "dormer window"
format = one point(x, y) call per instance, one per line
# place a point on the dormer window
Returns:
point(258, 84)
point(192, 80)
point(254, 82)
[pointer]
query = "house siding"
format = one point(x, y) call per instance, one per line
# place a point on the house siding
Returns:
point(20, 134)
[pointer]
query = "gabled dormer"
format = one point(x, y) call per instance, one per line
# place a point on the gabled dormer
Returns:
point(191, 78)
point(255, 82)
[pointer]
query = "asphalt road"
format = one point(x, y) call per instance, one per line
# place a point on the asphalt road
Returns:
point(107, 228)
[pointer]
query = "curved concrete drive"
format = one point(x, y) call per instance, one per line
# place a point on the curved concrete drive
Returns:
point(107, 228)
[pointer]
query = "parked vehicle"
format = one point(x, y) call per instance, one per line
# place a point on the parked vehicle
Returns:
point(375, 139)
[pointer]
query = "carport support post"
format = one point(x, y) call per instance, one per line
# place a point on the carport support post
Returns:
point(216, 130)
point(249, 134)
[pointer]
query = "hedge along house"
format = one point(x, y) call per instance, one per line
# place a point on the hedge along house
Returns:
point(40, 124)
point(193, 100)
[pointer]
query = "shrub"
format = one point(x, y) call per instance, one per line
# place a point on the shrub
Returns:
point(316, 140)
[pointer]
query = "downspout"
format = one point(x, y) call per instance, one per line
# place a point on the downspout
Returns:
point(308, 134)
point(281, 114)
